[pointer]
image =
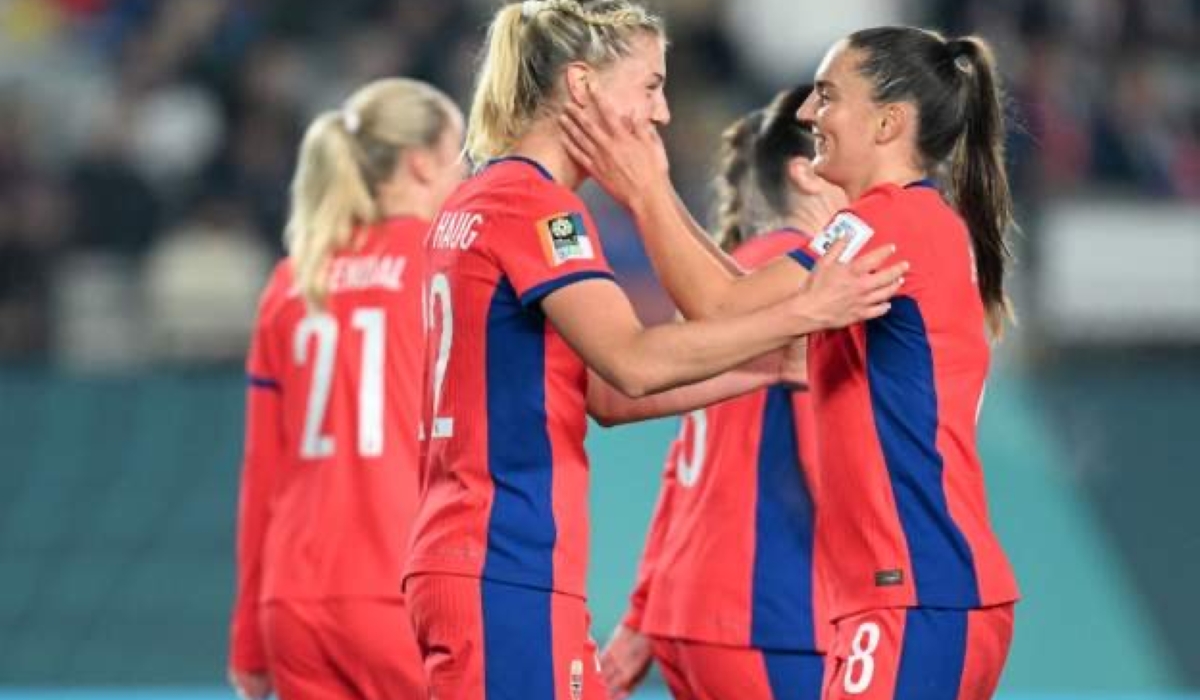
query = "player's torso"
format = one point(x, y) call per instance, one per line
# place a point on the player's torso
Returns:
point(736, 568)
point(898, 399)
point(350, 382)
point(506, 474)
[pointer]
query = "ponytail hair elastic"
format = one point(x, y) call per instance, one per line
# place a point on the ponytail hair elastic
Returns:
point(960, 54)
point(351, 122)
point(530, 8)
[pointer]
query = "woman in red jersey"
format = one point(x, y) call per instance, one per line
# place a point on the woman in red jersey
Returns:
point(521, 304)
point(921, 592)
point(330, 477)
point(729, 601)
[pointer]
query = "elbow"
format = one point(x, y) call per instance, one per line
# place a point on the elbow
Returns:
point(634, 380)
point(605, 418)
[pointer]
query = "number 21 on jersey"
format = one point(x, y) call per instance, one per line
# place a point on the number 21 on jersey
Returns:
point(321, 354)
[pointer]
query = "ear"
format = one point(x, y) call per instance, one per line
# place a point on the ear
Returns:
point(802, 176)
point(420, 163)
point(894, 120)
point(576, 78)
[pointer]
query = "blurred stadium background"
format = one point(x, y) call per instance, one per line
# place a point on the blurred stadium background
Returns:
point(145, 150)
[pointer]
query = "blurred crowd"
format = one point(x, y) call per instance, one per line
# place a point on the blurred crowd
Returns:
point(146, 145)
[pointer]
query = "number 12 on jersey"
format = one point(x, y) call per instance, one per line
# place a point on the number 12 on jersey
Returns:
point(439, 296)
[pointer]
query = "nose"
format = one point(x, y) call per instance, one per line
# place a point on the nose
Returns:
point(662, 112)
point(808, 111)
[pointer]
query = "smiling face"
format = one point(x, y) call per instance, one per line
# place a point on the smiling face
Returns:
point(635, 82)
point(844, 118)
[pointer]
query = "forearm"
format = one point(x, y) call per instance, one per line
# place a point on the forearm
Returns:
point(671, 355)
point(696, 279)
point(611, 407)
point(701, 236)
point(701, 279)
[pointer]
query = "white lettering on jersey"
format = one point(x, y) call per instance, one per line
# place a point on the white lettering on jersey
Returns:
point(455, 230)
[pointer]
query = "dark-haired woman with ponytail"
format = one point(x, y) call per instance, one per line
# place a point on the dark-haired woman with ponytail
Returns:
point(910, 125)
point(729, 601)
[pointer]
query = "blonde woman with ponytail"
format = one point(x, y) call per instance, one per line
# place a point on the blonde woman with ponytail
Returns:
point(528, 333)
point(911, 125)
point(330, 474)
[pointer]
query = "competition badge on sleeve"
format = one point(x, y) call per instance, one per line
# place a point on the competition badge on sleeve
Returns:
point(564, 238)
point(844, 225)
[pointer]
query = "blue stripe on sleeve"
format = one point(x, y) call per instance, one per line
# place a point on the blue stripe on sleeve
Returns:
point(801, 256)
point(258, 382)
point(541, 291)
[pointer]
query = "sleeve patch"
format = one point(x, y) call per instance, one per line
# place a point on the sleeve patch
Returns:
point(564, 238)
point(844, 225)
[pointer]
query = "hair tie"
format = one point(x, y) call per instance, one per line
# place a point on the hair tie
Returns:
point(351, 122)
point(960, 54)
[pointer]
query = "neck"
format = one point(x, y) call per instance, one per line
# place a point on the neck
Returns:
point(900, 173)
point(543, 143)
point(404, 198)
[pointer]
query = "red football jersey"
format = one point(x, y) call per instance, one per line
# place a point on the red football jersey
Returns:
point(903, 519)
point(505, 483)
point(329, 481)
point(729, 558)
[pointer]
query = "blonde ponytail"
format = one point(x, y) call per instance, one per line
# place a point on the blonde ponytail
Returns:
point(344, 156)
point(528, 45)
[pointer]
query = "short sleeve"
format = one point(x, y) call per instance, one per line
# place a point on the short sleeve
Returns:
point(261, 364)
point(762, 250)
point(865, 224)
point(552, 244)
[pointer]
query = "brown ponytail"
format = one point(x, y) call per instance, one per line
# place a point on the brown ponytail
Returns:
point(956, 89)
point(978, 181)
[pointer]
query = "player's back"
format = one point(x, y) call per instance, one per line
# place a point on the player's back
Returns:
point(506, 475)
point(735, 566)
point(349, 378)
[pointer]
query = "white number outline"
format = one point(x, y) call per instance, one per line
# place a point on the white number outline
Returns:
point(864, 656)
point(372, 323)
point(687, 471)
point(313, 444)
point(439, 291)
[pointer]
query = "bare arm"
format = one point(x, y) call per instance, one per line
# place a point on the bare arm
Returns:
point(628, 160)
point(610, 407)
point(597, 320)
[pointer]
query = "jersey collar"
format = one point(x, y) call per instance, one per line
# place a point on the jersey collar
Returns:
point(522, 159)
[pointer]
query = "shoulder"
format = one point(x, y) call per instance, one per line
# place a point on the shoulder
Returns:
point(278, 294)
point(765, 247)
